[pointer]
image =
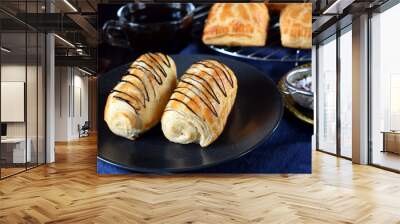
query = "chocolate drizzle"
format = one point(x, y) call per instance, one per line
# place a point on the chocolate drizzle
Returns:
point(214, 67)
point(141, 81)
point(222, 86)
point(130, 96)
point(157, 64)
point(149, 70)
point(165, 60)
point(205, 100)
point(201, 87)
point(208, 87)
point(145, 96)
point(224, 71)
point(145, 70)
point(187, 106)
point(128, 102)
point(211, 92)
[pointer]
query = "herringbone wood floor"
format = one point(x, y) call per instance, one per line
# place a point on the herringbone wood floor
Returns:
point(70, 191)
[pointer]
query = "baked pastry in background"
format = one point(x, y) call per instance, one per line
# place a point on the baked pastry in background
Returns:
point(296, 25)
point(236, 24)
point(199, 107)
point(276, 6)
point(137, 102)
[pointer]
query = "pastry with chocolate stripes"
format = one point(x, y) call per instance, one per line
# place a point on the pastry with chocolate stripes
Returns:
point(199, 106)
point(137, 102)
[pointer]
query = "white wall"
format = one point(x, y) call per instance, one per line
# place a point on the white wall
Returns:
point(33, 127)
point(71, 94)
point(16, 73)
point(61, 103)
point(80, 110)
point(12, 73)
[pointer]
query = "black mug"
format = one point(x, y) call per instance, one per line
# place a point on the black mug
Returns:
point(145, 27)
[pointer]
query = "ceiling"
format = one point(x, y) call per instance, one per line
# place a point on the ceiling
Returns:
point(21, 21)
point(76, 22)
point(72, 20)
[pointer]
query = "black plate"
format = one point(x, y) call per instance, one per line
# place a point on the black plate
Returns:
point(257, 111)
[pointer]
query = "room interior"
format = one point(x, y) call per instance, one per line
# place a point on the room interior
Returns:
point(336, 97)
point(49, 122)
point(22, 102)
